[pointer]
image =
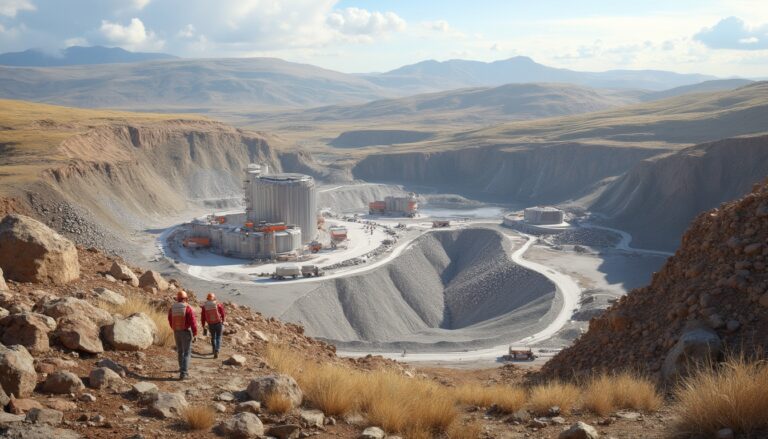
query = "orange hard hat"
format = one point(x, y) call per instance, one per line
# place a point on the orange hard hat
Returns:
point(211, 296)
point(181, 295)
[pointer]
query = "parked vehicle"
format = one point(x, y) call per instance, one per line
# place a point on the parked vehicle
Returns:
point(311, 270)
point(287, 270)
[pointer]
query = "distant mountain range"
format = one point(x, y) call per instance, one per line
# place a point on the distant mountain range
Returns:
point(100, 77)
point(436, 75)
point(77, 55)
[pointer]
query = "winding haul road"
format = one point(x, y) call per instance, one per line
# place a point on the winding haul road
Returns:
point(567, 288)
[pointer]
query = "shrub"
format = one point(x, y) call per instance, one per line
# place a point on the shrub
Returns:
point(554, 394)
point(278, 404)
point(198, 417)
point(605, 394)
point(508, 399)
point(732, 395)
point(471, 430)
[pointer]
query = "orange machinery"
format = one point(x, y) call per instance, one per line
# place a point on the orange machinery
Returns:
point(377, 207)
point(197, 242)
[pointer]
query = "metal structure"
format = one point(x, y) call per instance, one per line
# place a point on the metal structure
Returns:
point(282, 198)
point(543, 215)
point(406, 206)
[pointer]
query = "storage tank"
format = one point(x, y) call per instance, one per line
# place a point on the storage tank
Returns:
point(543, 215)
point(287, 241)
point(287, 198)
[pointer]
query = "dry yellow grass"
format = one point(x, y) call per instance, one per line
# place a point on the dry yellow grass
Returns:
point(508, 399)
point(470, 430)
point(135, 304)
point(396, 403)
point(554, 394)
point(198, 417)
point(605, 394)
point(278, 404)
point(735, 395)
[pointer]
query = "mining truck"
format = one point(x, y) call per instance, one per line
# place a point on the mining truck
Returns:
point(311, 270)
point(286, 270)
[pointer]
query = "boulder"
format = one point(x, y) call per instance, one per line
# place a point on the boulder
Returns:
point(167, 405)
point(39, 431)
point(3, 285)
point(17, 371)
point(23, 405)
point(32, 252)
point(116, 367)
point(102, 377)
point(372, 433)
point(143, 389)
point(10, 418)
point(235, 360)
point(122, 272)
point(134, 333)
point(284, 385)
point(152, 279)
point(696, 345)
point(243, 425)
point(63, 382)
point(249, 406)
point(60, 404)
point(72, 306)
point(285, 431)
point(79, 333)
point(579, 430)
point(27, 329)
point(313, 418)
point(44, 416)
point(109, 296)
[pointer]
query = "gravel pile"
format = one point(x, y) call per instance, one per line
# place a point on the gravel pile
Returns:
point(587, 237)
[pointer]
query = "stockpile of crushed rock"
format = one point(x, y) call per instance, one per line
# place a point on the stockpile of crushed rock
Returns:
point(710, 298)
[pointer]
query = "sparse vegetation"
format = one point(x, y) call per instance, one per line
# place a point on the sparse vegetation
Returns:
point(198, 417)
point(554, 394)
point(278, 404)
point(135, 304)
point(733, 395)
point(605, 394)
point(507, 399)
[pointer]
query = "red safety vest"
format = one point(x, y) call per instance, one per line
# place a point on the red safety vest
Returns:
point(179, 316)
point(211, 312)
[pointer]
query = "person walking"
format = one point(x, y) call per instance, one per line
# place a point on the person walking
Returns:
point(213, 314)
point(181, 317)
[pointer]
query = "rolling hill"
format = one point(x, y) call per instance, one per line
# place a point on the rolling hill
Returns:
point(435, 75)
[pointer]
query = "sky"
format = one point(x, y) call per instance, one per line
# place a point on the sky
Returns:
point(717, 37)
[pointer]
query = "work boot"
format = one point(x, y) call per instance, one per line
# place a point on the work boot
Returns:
point(215, 354)
point(183, 376)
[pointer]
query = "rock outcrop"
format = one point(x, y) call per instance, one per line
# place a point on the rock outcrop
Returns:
point(17, 371)
point(152, 280)
point(283, 385)
point(717, 281)
point(71, 306)
point(32, 252)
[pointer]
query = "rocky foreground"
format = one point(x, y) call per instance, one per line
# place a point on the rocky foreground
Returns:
point(710, 299)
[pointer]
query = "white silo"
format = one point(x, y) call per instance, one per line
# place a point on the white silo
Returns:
point(286, 198)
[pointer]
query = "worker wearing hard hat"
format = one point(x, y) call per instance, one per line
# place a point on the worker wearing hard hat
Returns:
point(213, 314)
point(181, 317)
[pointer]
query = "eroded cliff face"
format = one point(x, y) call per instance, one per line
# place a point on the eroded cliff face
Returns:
point(130, 177)
point(656, 200)
point(524, 174)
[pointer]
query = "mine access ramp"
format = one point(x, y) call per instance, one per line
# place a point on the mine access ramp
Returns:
point(516, 353)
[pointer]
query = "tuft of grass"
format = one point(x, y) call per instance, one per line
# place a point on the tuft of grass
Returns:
point(508, 399)
point(135, 304)
point(605, 394)
point(278, 404)
point(733, 395)
point(554, 393)
point(398, 404)
point(470, 430)
point(198, 417)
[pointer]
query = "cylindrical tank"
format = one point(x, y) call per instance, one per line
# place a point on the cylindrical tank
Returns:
point(287, 198)
point(288, 241)
point(543, 215)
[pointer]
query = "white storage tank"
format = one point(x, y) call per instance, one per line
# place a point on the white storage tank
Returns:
point(287, 241)
point(286, 198)
point(543, 215)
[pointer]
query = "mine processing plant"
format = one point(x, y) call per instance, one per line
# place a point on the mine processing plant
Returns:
point(396, 206)
point(280, 217)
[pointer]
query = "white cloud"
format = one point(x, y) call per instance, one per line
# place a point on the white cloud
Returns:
point(439, 25)
point(77, 41)
point(140, 4)
point(733, 33)
point(10, 8)
point(187, 31)
point(356, 21)
point(134, 36)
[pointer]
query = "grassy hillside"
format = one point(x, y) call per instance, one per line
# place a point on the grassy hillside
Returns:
point(31, 134)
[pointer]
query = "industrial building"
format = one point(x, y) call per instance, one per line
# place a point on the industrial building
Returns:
point(405, 206)
point(280, 217)
point(543, 215)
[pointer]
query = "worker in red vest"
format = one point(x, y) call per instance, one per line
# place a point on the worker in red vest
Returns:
point(181, 317)
point(213, 314)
